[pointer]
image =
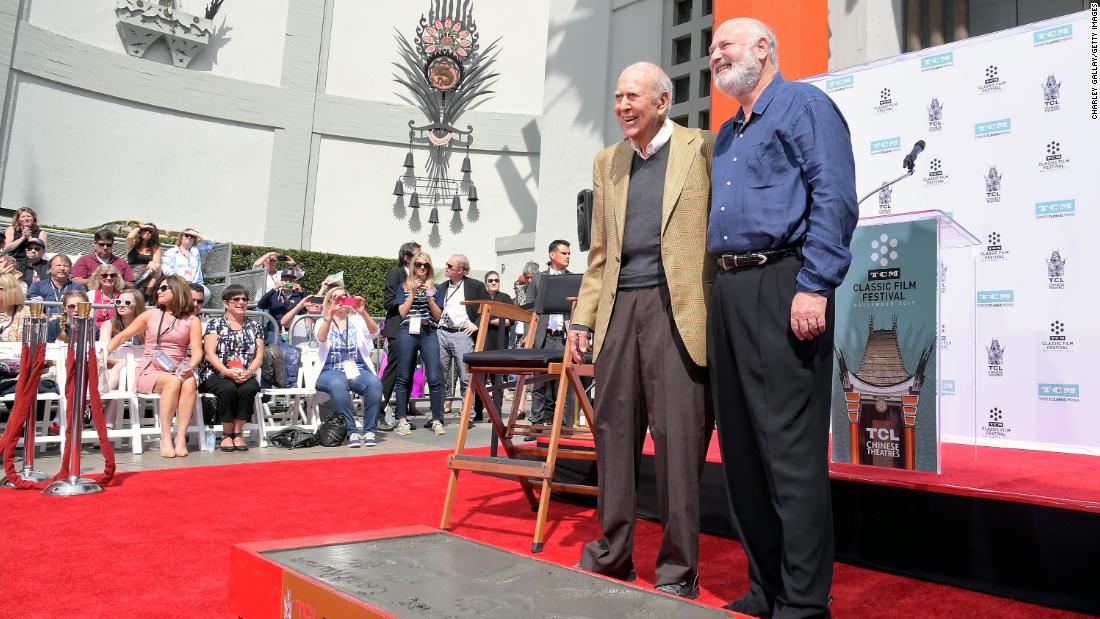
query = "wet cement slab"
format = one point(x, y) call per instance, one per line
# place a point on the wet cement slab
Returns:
point(442, 576)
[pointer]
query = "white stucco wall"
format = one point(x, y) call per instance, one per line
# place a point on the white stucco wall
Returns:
point(81, 160)
point(356, 213)
point(863, 31)
point(248, 44)
point(363, 49)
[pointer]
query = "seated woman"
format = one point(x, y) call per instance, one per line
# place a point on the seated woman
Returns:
point(345, 341)
point(128, 306)
point(419, 319)
point(185, 259)
point(23, 226)
point(234, 351)
point(13, 308)
point(106, 285)
point(170, 328)
point(60, 327)
point(302, 331)
point(143, 256)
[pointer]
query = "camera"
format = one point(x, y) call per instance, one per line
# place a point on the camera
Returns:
point(317, 300)
point(282, 257)
point(348, 302)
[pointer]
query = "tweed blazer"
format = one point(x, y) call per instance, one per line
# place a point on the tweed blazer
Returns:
point(685, 212)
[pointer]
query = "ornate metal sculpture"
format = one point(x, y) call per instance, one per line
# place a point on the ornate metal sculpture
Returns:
point(143, 22)
point(445, 73)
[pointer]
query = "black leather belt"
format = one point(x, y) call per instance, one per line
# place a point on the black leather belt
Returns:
point(757, 258)
point(451, 329)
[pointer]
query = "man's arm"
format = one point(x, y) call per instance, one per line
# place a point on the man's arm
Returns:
point(584, 314)
point(389, 292)
point(81, 274)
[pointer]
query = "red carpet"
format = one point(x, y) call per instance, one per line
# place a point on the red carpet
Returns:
point(156, 544)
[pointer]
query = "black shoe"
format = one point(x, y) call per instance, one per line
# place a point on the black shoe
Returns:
point(384, 426)
point(746, 605)
point(471, 425)
point(685, 589)
point(529, 438)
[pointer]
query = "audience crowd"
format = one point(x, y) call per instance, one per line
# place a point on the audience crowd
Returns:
point(147, 306)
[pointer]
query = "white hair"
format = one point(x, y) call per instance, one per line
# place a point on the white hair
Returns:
point(759, 30)
point(658, 78)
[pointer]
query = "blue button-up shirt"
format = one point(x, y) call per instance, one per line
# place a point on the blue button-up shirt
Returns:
point(787, 176)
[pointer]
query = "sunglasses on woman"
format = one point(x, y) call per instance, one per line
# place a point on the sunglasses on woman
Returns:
point(492, 281)
point(163, 288)
point(108, 275)
point(238, 300)
point(422, 265)
point(123, 302)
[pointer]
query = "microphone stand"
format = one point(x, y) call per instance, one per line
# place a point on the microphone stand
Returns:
point(908, 173)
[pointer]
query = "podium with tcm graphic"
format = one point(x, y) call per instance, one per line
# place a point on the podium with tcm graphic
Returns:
point(886, 387)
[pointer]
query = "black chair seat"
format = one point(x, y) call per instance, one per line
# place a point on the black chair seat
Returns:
point(513, 358)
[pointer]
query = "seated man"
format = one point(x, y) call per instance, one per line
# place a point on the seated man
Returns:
point(87, 264)
point(55, 287)
point(279, 300)
point(198, 295)
point(34, 267)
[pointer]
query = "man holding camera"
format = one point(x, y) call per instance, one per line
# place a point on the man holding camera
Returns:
point(281, 299)
point(270, 262)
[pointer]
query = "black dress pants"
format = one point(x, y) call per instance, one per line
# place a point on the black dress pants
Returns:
point(389, 375)
point(234, 402)
point(772, 398)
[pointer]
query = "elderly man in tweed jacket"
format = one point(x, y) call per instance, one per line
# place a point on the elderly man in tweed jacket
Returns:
point(644, 299)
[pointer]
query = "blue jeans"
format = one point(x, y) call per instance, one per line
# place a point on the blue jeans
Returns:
point(336, 384)
point(407, 346)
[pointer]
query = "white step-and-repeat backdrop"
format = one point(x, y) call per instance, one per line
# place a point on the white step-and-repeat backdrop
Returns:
point(1010, 122)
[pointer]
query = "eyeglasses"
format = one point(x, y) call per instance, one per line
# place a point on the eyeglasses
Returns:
point(123, 302)
point(188, 235)
point(422, 265)
point(108, 275)
point(71, 306)
point(492, 281)
point(33, 248)
point(238, 300)
point(163, 288)
point(454, 266)
point(104, 243)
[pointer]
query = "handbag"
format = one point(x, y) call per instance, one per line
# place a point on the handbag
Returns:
point(293, 438)
point(332, 432)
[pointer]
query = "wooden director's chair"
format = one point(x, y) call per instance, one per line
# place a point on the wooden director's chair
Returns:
point(531, 464)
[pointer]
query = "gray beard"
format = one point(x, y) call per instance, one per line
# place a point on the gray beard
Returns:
point(741, 78)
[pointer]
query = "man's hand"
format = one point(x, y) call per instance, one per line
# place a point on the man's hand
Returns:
point(578, 342)
point(808, 314)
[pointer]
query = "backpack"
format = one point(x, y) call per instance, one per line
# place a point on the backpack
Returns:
point(272, 373)
point(293, 438)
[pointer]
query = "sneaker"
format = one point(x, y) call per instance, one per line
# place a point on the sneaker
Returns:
point(437, 427)
point(385, 426)
point(368, 439)
point(403, 428)
point(354, 440)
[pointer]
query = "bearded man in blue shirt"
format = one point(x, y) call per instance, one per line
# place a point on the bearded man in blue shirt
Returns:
point(783, 208)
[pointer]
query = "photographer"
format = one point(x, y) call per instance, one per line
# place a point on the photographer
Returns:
point(270, 262)
point(302, 331)
point(346, 334)
point(280, 299)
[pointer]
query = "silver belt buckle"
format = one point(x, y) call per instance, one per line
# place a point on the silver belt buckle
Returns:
point(758, 258)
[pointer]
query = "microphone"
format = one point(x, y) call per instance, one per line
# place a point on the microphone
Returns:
point(910, 160)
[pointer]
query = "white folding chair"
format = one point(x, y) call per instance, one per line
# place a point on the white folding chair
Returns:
point(297, 400)
point(124, 399)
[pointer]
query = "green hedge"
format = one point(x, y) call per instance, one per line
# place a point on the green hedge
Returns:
point(363, 276)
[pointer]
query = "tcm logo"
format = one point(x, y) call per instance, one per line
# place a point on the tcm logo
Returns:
point(947, 387)
point(1059, 392)
point(995, 250)
point(992, 82)
point(939, 61)
point(1053, 158)
point(886, 102)
point(936, 173)
point(1058, 340)
point(1055, 209)
point(991, 128)
point(839, 83)
point(996, 298)
point(886, 145)
point(1052, 35)
point(996, 426)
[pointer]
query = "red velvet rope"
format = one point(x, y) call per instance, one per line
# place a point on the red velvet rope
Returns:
point(26, 391)
point(30, 366)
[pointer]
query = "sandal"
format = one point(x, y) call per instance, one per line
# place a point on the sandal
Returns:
point(236, 447)
point(229, 436)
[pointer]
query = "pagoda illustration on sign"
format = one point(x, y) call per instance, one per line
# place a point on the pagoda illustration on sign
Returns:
point(881, 399)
